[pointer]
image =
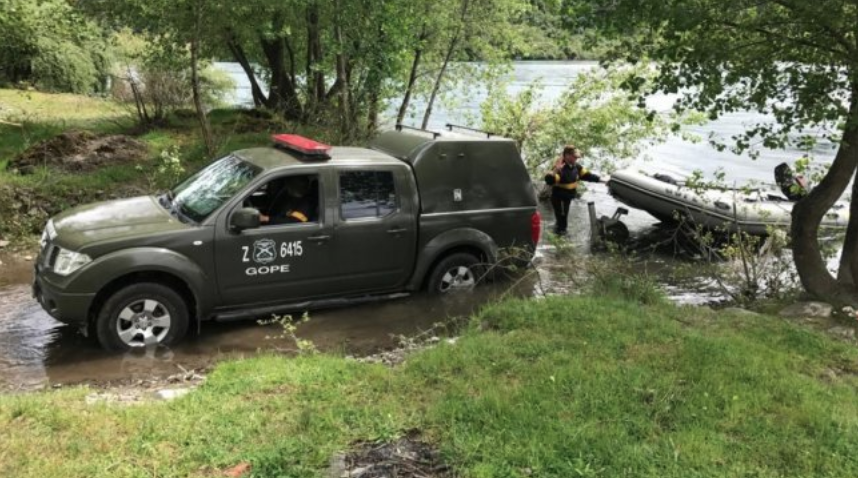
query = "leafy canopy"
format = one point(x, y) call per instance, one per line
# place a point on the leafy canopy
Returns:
point(49, 44)
point(791, 59)
point(594, 113)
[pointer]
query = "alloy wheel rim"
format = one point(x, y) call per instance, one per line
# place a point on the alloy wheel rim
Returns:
point(143, 323)
point(458, 278)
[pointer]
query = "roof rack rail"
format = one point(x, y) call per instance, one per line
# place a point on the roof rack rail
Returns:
point(488, 134)
point(400, 127)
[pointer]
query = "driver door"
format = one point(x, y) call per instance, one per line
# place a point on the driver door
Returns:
point(275, 263)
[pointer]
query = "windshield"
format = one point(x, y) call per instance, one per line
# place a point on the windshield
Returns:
point(206, 191)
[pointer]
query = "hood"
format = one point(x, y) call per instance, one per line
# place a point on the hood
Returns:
point(104, 221)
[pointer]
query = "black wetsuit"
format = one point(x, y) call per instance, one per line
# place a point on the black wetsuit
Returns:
point(565, 189)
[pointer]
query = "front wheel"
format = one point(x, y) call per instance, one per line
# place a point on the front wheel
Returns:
point(141, 315)
point(455, 272)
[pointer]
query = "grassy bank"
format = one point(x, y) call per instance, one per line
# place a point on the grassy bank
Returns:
point(27, 118)
point(561, 387)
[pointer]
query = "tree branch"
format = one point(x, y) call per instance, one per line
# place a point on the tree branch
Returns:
point(836, 35)
point(774, 35)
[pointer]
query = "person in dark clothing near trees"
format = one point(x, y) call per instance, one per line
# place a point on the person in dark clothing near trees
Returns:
point(563, 180)
point(794, 186)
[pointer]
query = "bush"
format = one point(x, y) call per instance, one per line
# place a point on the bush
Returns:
point(156, 80)
point(36, 47)
point(63, 66)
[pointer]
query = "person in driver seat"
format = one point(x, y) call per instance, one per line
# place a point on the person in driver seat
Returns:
point(293, 203)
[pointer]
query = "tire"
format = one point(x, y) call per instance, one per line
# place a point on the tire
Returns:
point(456, 272)
point(140, 315)
point(616, 233)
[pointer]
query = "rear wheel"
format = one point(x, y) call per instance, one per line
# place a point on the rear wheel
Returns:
point(456, 272)
point(141, 315)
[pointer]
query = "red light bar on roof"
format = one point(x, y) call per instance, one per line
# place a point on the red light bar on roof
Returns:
point(302, 145)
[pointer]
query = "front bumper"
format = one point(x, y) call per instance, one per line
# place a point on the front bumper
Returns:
point(63, 306)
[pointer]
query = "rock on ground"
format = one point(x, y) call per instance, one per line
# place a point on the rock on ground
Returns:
point(841, 331)
point(807, 309)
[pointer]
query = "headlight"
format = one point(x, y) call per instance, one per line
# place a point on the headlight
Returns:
point(69, 261)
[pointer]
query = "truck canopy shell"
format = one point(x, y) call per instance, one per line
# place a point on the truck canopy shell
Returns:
point(457, 173)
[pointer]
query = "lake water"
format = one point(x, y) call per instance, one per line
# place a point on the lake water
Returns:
point(675, 155)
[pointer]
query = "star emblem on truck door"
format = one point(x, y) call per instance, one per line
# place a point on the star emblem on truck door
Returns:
point(264, 251)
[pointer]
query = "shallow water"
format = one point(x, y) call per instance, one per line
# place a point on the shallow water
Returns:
point(37, 351)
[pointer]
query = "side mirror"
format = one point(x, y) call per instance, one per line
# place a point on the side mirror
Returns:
point(244, 218)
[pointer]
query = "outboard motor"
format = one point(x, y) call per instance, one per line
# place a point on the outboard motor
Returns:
point(792, 185)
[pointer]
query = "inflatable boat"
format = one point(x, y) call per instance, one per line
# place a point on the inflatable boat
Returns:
point(669, 199)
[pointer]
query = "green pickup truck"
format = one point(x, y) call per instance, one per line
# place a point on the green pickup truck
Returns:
point(293, 226)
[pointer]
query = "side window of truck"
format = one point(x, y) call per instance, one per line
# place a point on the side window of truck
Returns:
point(292, 199)
point(367, 194)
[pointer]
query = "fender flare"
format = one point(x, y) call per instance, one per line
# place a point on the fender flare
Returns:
point(439, 245)
point(150, 259)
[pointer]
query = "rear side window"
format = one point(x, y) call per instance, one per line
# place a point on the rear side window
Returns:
point(367, 194)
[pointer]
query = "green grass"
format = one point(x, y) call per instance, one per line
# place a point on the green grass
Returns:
point(561, 387)
point(37, 106)
point(27, 117)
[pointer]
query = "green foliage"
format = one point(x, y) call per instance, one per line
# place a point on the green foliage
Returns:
point(152, 77)
point(168, 171)
point(542, 32)
point(786, 59)
point(754, 267)
point(47, 43)
point(619, 277)
point(289, 332)
point(594, 113)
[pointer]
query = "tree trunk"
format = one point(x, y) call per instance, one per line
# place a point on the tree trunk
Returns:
point(291, 52)
point(412, 77)
point(282, 95)
point(848, 271)
point(195, 85)
point(372, 114)
point(454, 42)
point(808, 213)
point(240, 57)
point(341, 86)
point(139, 101)
point(315, 75)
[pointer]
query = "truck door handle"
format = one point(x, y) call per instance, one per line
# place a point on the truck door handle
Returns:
point(398, 230)
point(321, 238)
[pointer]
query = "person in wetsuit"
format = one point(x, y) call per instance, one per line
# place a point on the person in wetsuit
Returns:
point(794, 186)
point(563, 180)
